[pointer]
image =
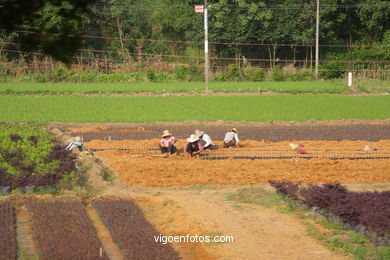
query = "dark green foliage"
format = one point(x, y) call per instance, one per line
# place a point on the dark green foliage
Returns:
point(254, 74)
point(151, 75)
point(277, 75)
point(180, 72)
point(56, 24)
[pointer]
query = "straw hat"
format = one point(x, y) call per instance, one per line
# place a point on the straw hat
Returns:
point(235, 130)
point(199, 133)
point(166, 133)
point(193, 138)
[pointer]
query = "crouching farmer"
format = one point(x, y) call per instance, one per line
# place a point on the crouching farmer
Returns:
point(194, 146)
point(231, 138)
point(206, 138)
point(167, 143)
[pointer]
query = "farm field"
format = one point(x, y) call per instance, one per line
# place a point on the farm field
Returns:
point(202, 108)
point(224, 192)
point(135, 87)
point(139, 163)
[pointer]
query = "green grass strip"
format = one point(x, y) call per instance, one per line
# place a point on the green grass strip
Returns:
point(202, 108)
point(98, 88)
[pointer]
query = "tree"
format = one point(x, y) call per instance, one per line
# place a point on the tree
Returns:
point(54, 26)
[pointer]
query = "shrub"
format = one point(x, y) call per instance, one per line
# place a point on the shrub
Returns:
point(254, 74)
point(194, 73)
point(323, 196)
point(220, 76)
point(285, 188)
point(88, 76)
point(180, 72)
point(150, 75)
point(300, 75)
point(233, 72)
point(40, 78)
point(277, 74)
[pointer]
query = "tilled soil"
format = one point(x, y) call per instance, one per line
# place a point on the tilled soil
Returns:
point(142, 164)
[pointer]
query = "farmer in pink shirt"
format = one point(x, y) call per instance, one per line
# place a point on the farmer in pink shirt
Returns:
point(194, 145)
point(167, 143)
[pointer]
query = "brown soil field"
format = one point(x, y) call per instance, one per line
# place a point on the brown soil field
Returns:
point(143, 165)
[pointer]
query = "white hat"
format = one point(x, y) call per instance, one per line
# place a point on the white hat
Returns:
point(166, 133)
point(193, 138)
point(199, 133)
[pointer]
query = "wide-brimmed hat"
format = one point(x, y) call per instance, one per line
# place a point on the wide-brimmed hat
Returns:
point(199, 133)
point(234, 130)
point(193, 138)
point(166, 133)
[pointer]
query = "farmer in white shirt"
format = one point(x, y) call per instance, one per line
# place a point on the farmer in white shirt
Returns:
point(231, 138)
point(208, 143)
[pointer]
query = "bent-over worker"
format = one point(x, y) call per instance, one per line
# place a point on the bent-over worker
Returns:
point(194, 146)
point(231, 138)
point(206, 138)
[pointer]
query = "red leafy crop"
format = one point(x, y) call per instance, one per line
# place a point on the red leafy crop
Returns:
point(285, 188)
point(63, 230)
point(7, 231)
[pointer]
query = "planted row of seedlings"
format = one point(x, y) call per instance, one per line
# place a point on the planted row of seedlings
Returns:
point(30, 157)
point(290, 157)
point(131, 231)
point(63, 230)
point(8, 246)
point(366, 212)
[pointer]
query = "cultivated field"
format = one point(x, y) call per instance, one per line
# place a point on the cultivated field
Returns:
point(119, 193)
point(203, 108)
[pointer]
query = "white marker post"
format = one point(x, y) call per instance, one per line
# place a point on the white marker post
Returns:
point(201, 9)
point(349, 79)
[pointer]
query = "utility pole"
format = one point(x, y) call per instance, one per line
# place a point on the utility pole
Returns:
point(317, 39)
point(206, 48)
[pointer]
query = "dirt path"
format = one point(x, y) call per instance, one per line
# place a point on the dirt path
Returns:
point(26, 245)
point(110, 248)
point(259, 232)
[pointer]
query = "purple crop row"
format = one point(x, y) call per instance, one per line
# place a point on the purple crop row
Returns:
point(63, 230)
point(8, 248)
point(370, 209)
point(131, 231)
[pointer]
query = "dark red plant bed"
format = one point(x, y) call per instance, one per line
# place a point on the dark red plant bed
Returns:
point(131, 231)
point(366, 212)
point(62, 230)
point(8, 249)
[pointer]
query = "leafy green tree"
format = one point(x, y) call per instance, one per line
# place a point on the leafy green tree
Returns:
point(55, 24)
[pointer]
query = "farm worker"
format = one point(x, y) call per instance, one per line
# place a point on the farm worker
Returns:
point(74, 142)
point(231, 138)
point(193, 146)
point(206, 138)
point(167, 143)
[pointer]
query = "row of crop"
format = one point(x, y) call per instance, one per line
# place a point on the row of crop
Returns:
point(131, 231)
point(29, 156)
point(8, 248)
point(368, 212)
point(179, 73)
point(63, 230)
